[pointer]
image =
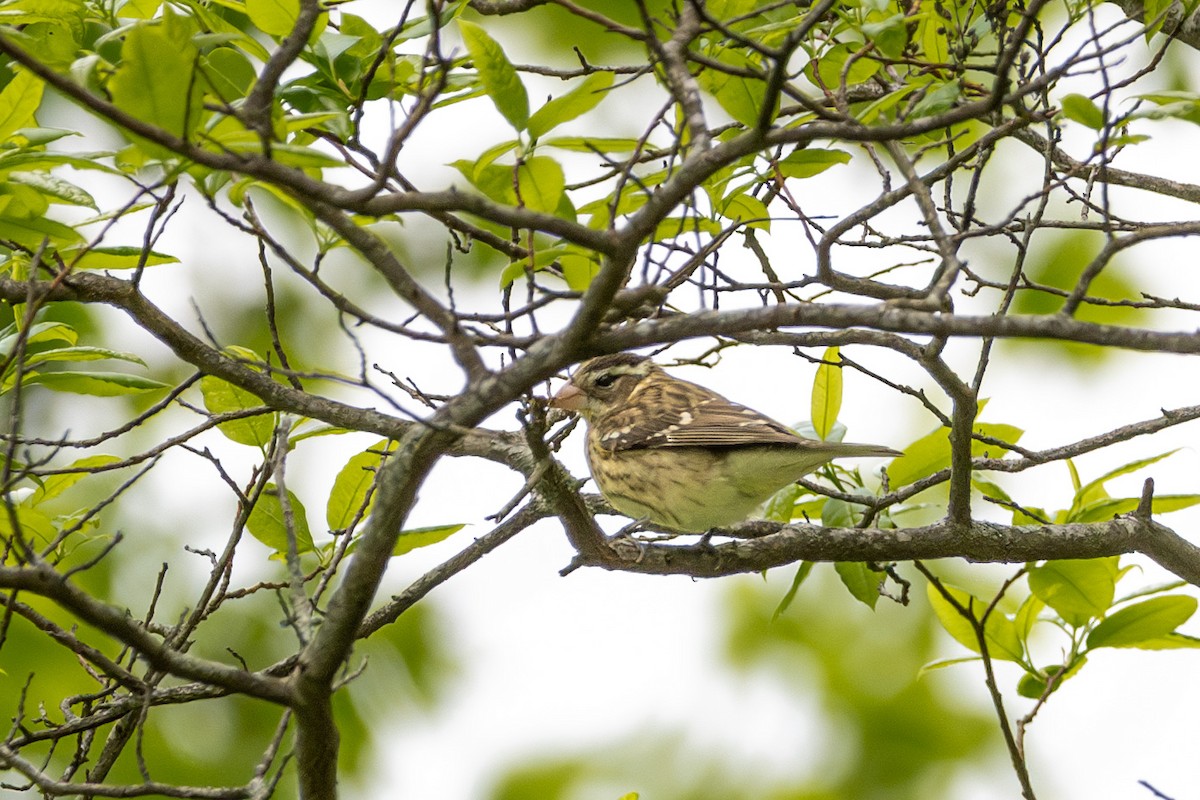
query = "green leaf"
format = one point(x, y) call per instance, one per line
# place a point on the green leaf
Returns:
point(994, 430)
point(811, 161)
point(837, 513)
point(1111, 507)
point(53, 485)
point(291, 155)
point(267, 524)
point(1094, 491)
point(1001, 635)
point(18, 103)
point(22, 202)
point(1148, 620)
point(421, 537)
point(39, 333)
point(593, 144)
point(348, 498)
point(541, 259)
point(496, 73)
point(115, 258)
point(889, 35)
point(1078, 590)
point(139, 9)
point(540, 183)
point(862, 581)
point(1027, 615)
point(574, 103)
point(940, 99)
point(97, 384)
point(579, 267)
point(30, 232)
point(779, 507)
point(1081, 109)
point(1171, 641)
point(802, 573)
point(494, 181)
point(154, 82)
point(1154, 13)
point(36, 137)
point(741, 97)
point(274, 17)
point(1033, 684)
point(54, 188)
point(489, 156)
point(220, 397)
point(80, 353)
point(745, 209)
point(827, 393)
point(33, 524)
point(229, 72)
point(931, 452)
point(826, 70)
point(885, 105)
point(674, 227)
point(922, 458)
point(942, 663)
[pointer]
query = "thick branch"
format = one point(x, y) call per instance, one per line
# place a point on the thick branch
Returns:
point(773, 545)
point(1179, 22)
point(896, 320)
point(43, 580)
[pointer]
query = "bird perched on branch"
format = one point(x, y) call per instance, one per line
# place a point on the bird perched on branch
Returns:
point(680, 455)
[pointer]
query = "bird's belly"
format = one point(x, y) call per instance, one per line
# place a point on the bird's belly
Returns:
point(686, 489)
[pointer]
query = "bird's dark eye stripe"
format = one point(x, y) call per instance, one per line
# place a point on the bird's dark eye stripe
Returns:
point(606, 379)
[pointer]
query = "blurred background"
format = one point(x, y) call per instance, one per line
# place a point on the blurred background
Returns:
point(511, 682)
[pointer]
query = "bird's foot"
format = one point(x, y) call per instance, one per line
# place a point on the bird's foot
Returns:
point(624, 539)
point(704, 543)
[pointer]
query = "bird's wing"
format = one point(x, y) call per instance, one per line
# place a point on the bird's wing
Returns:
point(681, 414)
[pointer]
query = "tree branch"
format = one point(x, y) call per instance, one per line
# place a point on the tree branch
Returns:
point(770, 544)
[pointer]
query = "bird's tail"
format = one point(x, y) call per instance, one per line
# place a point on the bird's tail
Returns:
point(849, 450)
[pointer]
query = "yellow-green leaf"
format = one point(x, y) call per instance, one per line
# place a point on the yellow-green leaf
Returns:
point(53, 485)
point(117, 258)
point(540, 182)
point(574, 103)
point(1000, 633)
point(804, 163)
point(348, 498)
point(18, 103)
point(827, 393)
point(1078, 589)
point(496, 73)
point(1145, 621)
point(267, 522)
point(1081, 109)
point(862, 581)
point(155, 81)
point(221, 397)
point(96, 384)
point(421, 537)
point(748, 210)
point(273, 17)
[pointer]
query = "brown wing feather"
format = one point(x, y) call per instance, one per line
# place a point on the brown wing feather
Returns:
point(676, 413)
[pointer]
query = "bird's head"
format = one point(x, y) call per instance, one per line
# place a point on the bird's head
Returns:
point(603, 383)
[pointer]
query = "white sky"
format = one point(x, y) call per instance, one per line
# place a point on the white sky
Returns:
point(554, 665)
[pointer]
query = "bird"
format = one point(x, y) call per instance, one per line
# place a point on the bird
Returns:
point(679, 455)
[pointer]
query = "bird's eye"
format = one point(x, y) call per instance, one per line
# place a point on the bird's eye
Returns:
point(606, 380)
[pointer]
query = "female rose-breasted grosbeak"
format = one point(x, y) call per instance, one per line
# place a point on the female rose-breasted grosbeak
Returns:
point(680, 455)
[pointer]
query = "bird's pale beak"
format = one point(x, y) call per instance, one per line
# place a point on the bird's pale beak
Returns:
point(569, 398)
